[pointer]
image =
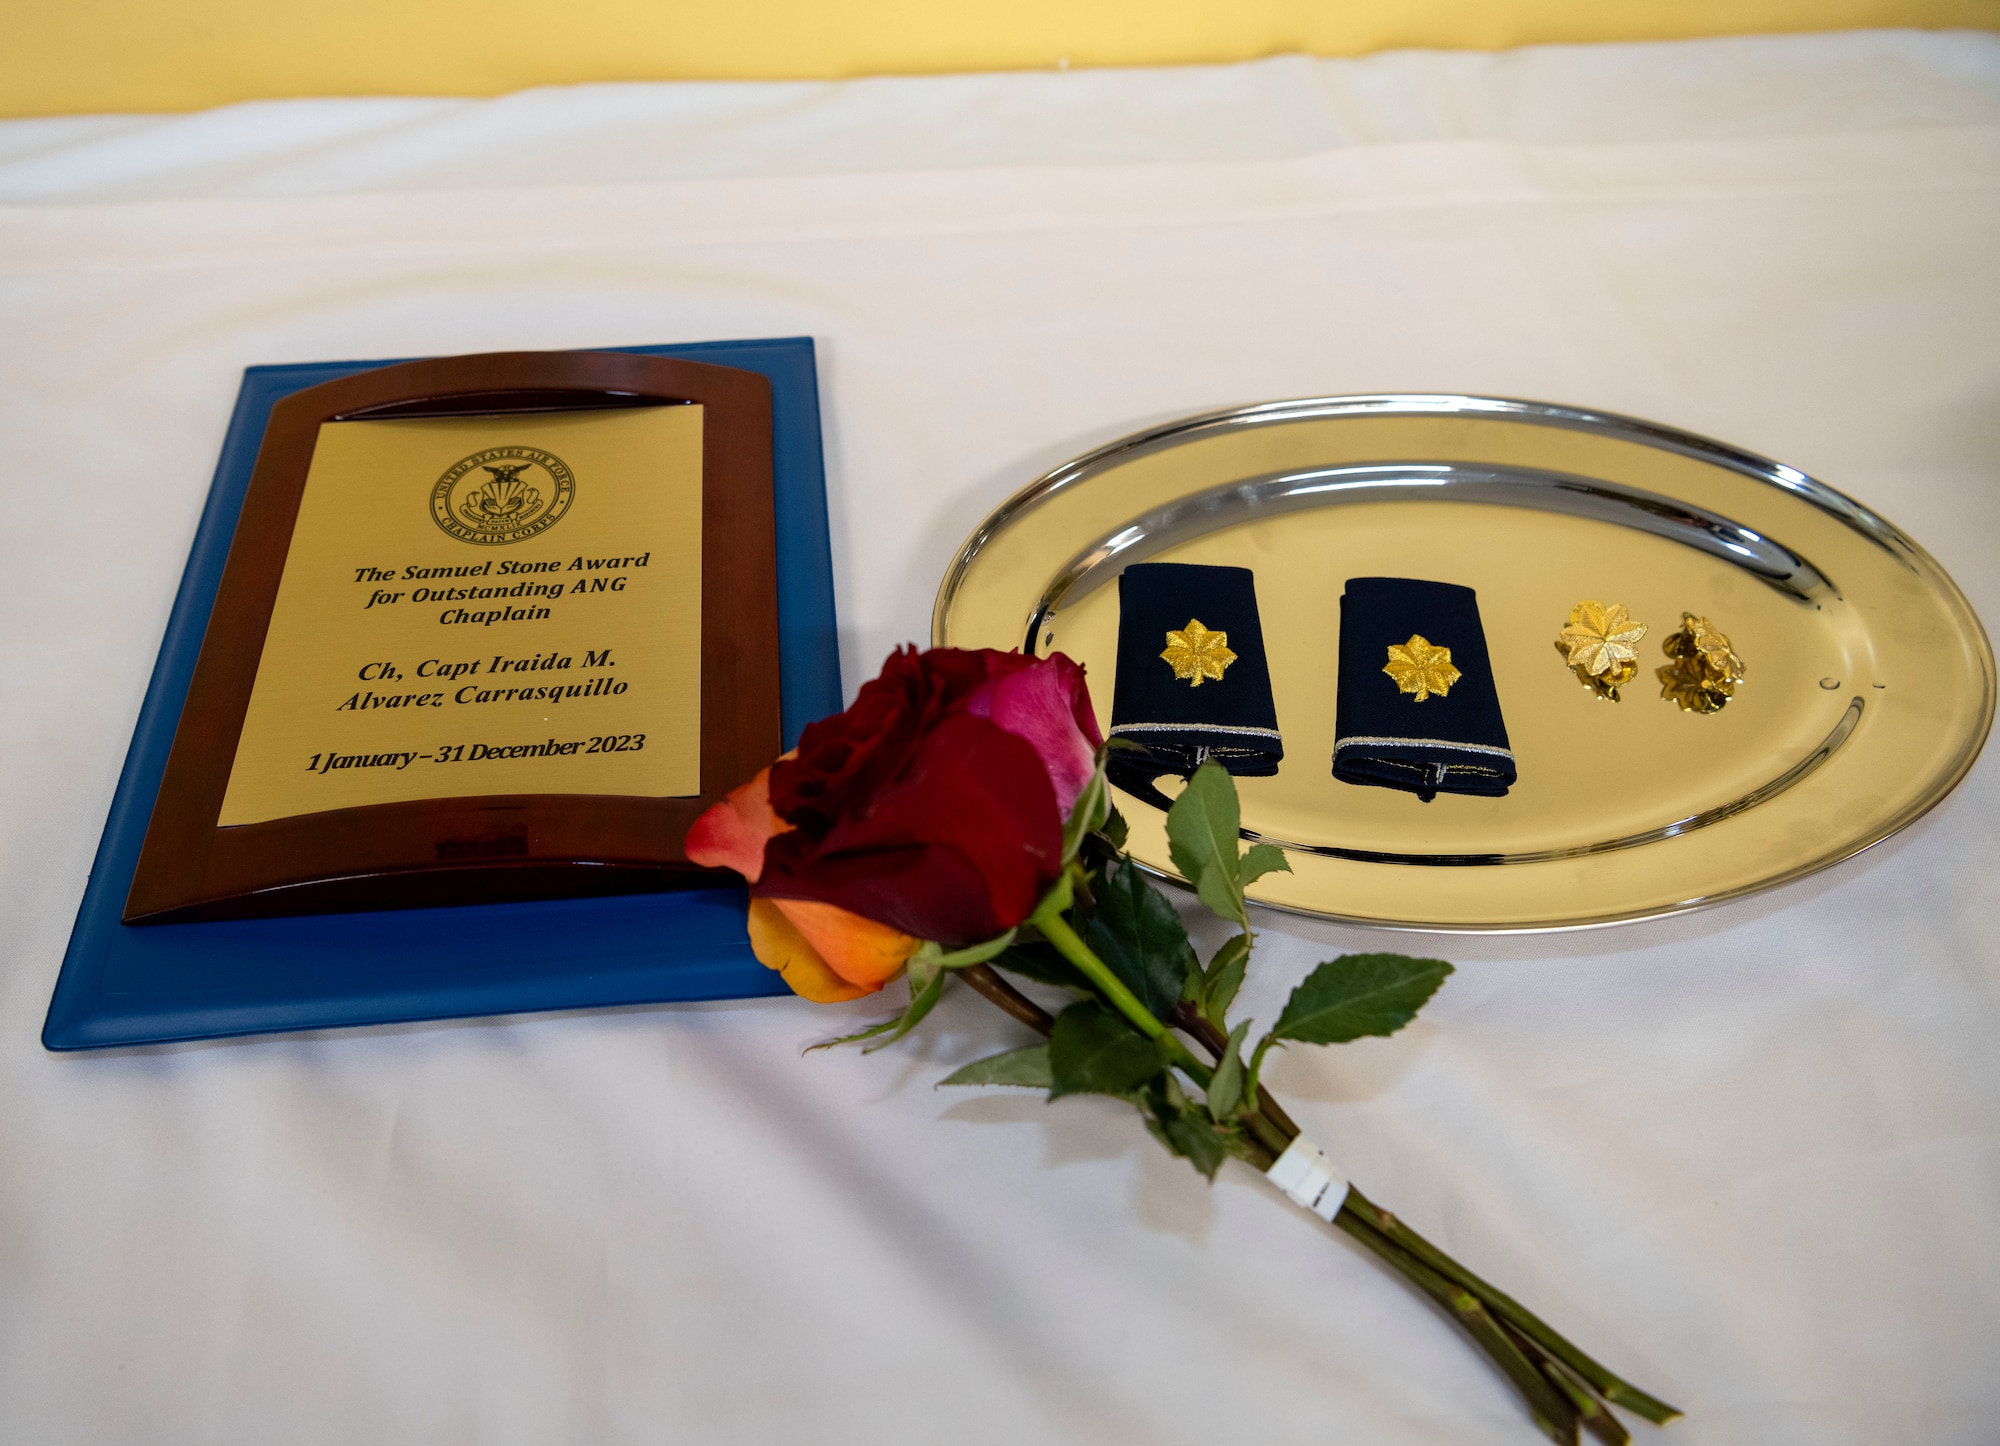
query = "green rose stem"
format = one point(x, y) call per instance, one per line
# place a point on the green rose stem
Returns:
point(1550, 1410)
point(987, 981)
point(1055, 928)
point(1557, 1404)
point(1366, 1214)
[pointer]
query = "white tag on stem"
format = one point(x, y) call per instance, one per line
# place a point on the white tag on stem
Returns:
point(1305, 1174)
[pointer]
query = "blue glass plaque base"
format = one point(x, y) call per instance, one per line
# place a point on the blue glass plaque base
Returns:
point(123, 985)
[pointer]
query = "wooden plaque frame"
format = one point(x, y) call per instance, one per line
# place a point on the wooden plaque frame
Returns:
point(481, 849)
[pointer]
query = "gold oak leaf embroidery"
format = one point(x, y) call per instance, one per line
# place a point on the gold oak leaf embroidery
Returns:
point(1196, 653)
point(1421, 667)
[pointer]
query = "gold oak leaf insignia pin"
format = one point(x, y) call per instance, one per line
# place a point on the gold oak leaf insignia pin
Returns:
point(1196, 652)
point(1601, 646)
point(1704, 671)
point(1421, 667)
point(1602, 641)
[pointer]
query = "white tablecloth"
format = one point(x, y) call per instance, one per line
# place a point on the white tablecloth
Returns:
point(1752, 1156)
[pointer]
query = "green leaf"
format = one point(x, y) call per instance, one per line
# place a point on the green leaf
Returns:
point(1185, 1128)
point(1224, 978)
point(860, 1034)
point(1094, 1052)
point(1043, 964)
point(1088, 814)
point(1140, 938)
point(1057, 900)
point(1357, 995)
point(926, 976)
point(1099, 850)
point(926, 979)
point(1201, 839)
point(1028, 1068)
point(1115, 830)
point(1256, 1070)
point(1225, 1089)
point(1261, 859)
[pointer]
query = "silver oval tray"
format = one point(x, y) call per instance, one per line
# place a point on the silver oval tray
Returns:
point(1870, 683)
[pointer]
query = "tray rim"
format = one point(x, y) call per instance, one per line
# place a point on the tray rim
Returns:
point(1616, 425)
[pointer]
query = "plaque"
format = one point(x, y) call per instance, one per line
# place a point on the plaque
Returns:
point(491, 628)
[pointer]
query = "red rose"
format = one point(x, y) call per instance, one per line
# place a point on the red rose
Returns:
point(934, 806)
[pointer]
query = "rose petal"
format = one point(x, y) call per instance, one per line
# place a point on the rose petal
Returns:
point(732, 834)
point(1043, 704)
point(779, 945)
point(959, 849)
point(843, 761)
point(862, 952)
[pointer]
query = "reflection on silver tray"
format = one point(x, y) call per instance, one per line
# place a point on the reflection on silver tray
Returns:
point(1871, 683)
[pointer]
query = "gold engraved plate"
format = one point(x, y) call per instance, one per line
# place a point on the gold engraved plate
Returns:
point(484, 605)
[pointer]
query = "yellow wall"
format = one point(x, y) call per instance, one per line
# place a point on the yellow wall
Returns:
point(69, 56)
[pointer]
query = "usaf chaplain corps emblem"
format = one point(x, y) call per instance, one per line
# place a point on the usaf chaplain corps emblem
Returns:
point(502, 495)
